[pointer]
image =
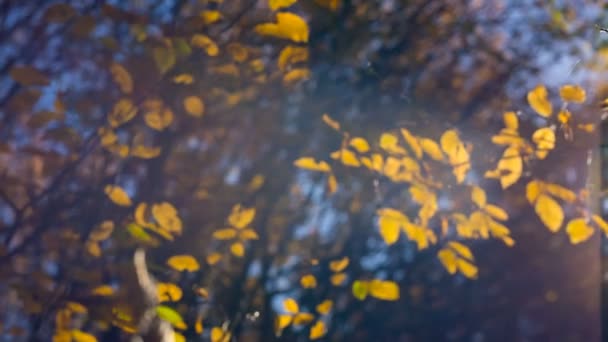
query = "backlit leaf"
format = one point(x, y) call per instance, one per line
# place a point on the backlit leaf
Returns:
point(309, 163)
point(194, 106)
point(288, 26)
point(413, 142)
point(461, 249)
point(579, 230)
point(339, 265)
point(467, 269)
point(237, 249)
point(338, 279)
point(170, 315)
point(291, 306)
point(478, 196)
point(291, 55)
point(123, 112)
point(295, 75)
point(431, 149)
point(572, 93)
point(331, 122)
point(359, 144)
point(168, 292)
point(122, 78)
point(224, 234)
point(278, 4)
point(308, 281)
point(103, 290)
point(118, 195)
point(389, 229)
point(550, 212)
point(102, 231)
point(283, 321)
point(448, 259)
point(183, 263)
point(360, 289)
point(317, 330)
point(183, 79)
point(204, 42)
point(219, 335)
point(537, 99)
point(384, 290)
point(324, 307)
point(81, 336)
point(241, 217)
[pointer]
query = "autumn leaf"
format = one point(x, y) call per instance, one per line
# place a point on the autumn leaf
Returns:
point(295, 75)
point(359, 144)
point(478, 196)
point(309, 163)
point(331, 122)
point(360, 289)
point(28, 76)
point(384, 290)
point(122, 78)
point(170, 315)
point(288, 26)
point(194, 106)
point(572, 93)
point(291, 306)
point(168, 292)
point(241, 217)
point(324, 307)
point(308, 281)
point(123, 112)
point(338, 279)
point(204, 42)
point(183, 263)
point(220, 335)
point(81, 336)
point(317, 330)
point(278, 4)
point(291, 55)
point(537, 99)
point(103, 291)
point(237, 249)
point(118, 195)
point(550, 212)
point(579, 230)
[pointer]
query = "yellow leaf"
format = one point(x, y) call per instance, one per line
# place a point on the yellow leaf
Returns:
point(103, 290)
point(467, 269)
point(213, 258)
point(168, 292)
point(165, 215)
point(76, 307)
point(93, 248)
point(179, 337)
point(81, 336)
point(510, 167)
point(145, 152)
point(560, 192)
point(194, 106)
point(183, 79)
point(237, 249)
point(198, 325)
point(183, 263)
point(384, 290)
point(248, 234)
point(339, 265)
point(550, 212)
point(511, 121)
point(389, 229)
point(309, 163)
point(201, 291)
point(291, 55)
point(291, 306)
point(578, 230)
point(360, 289)
point(390, 143)
point(412, 141)
point(317, 330)
point(117, 195)
point(461, 249)
point(338, 279)
point(572, 93)
point(331, 122)
point(204, 42)
point(210, 16)
point(159, 120)
point(544, 138)
point(449, 260)
point(533, 191)
point(457, 153)
point(308, 281)
point(332, 183)
point(219, 335)
point(288, 26)
point(123, 111)
point(431, 149)
point(122, 77)
point(347, 157)
point(278, 4)
point(296, 74)
point(359, 144)
point(537, 99)
point(283, 321)
point(478, 196)
point(102, 231)
point(324, 307)
point(496, 212)
point(241, 217)
point(601, 224)
point(303, 318)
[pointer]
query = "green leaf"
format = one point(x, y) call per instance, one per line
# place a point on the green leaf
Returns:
point(169, 315)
